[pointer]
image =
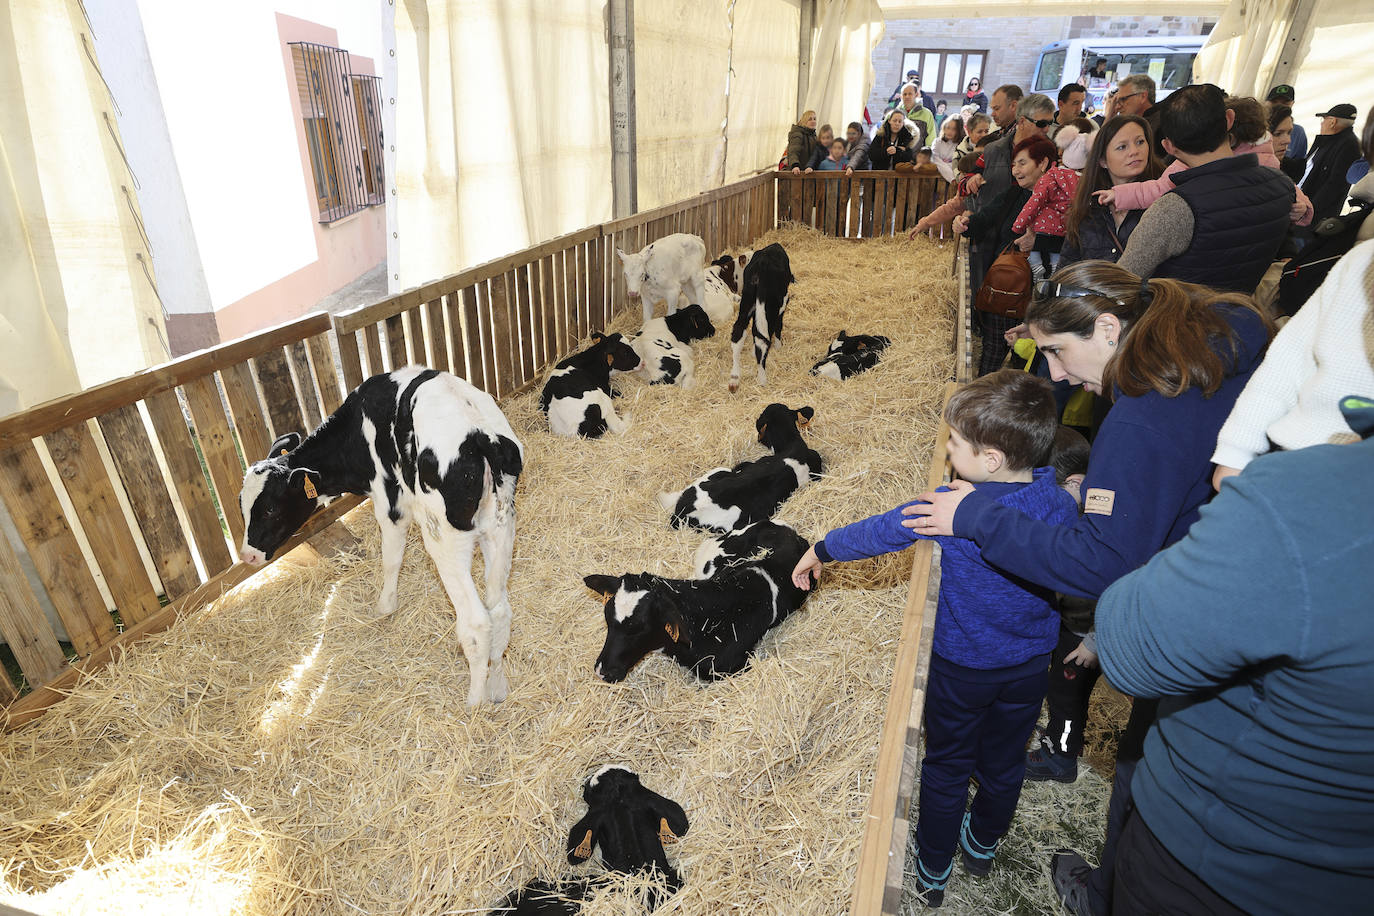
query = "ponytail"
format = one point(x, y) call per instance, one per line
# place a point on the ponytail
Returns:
point(1173, 336)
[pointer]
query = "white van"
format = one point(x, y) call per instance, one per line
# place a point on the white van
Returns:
point(1168, 59)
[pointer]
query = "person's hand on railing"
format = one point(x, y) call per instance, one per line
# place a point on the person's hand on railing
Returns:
point(961, 224)
point(796, 170)
point(809, 170)
point(849, 170)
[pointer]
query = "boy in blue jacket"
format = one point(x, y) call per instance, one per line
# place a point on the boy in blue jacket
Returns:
point(993, 632)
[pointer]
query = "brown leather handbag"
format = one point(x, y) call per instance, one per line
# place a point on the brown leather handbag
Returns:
point(1007, 285)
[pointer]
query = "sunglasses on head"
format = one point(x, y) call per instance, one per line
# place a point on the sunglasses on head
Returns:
point(1049, 289)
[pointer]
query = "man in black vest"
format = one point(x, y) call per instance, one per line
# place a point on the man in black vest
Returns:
point(1224, 220)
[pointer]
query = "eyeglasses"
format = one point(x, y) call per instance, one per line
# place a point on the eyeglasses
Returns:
point(1048, 289)
point(1041, 124)
point(1122, 98)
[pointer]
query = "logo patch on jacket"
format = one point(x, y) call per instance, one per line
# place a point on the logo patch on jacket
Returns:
point(1098, 501)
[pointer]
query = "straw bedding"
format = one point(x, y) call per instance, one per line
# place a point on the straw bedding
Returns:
point(283, 752)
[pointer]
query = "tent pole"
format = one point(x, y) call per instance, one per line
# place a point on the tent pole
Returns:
point(1299, 19)
point(624, 177)
point(808, 25)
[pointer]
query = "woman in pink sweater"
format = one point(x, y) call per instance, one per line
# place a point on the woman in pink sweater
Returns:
point(1249, 134)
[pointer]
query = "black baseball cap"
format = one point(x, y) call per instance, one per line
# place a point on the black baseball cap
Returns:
point(1281, 93)
point(1343, 110)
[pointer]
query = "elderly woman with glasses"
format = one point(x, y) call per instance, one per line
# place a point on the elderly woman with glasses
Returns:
point(1173, 357)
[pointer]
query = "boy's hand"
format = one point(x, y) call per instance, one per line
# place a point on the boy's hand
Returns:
point(802, 574)
point(1015, 334)
point(1083, 657)
point(1106, 197)
point(934, 515)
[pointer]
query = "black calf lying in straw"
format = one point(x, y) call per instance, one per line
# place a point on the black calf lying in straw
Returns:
point(850, 355)
point(577, 396)
point(727, 499)
point(630, 824)
point(708, 625)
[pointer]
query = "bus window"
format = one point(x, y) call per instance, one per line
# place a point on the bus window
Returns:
point(1176, 72)
point(1050, 70)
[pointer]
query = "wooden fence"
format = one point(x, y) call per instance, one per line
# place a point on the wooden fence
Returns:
point(861, 205)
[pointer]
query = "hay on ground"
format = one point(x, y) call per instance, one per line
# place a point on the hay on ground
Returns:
point(283, 752)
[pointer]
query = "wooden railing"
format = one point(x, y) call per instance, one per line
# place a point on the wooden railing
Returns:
point(861, 205)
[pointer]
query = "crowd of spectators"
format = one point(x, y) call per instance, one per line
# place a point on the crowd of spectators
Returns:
point(1217, 572)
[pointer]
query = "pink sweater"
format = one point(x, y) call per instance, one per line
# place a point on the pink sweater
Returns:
point(1048, 203)
point(1137, 195)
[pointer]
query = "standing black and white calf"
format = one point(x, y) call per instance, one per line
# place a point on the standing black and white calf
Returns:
point(630, 824)
point(577, 396)
point(664, 270)
point(425, 446)
point(763, 301)
point(727, 499)
point(664, 345)
point(850, 354)
point(708, 625)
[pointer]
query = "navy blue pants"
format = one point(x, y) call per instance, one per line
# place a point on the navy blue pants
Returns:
point(977, 723)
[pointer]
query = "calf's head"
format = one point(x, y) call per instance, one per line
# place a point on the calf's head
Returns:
point(641, 616)
point(857, 343)
point(690, 324)
point(619, 355)
point(629, 822)
point(732, 269)
point(635, 274)
point(276, 499)
point(779, 423)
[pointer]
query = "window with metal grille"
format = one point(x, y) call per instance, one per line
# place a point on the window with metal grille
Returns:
point(343, 129)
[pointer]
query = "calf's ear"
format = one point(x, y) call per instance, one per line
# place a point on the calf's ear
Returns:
point(583, 836)
point(620, 254)
point(672, 820)
point(605, 586)
point(804, 416)
point(673, 624)
point(285, 444)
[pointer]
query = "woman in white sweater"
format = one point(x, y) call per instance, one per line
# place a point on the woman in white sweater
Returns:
point(1325, 353)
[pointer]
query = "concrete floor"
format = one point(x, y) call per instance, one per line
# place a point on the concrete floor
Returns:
point(367, 289)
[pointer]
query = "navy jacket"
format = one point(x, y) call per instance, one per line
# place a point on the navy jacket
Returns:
point(1325, 182)
point(1098, 235)
point(1257, 628)
point(986, 618)
point(1149, 473)
point(1240, 218)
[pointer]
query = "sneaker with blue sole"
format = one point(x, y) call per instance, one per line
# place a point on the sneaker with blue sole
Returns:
point(1046, 763)
point(931, 887)
point(977, 857)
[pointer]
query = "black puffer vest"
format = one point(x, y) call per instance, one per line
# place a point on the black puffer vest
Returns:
point(1240, 217)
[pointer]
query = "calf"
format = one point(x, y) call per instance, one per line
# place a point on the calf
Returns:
point(629, 823)
point(666, 268)
point(577, 396)
point(424, 445)
point(763, 301)
point(727, 499)
point(711, 625)
point(850, 354)
point(722, 286)
point(663, 346)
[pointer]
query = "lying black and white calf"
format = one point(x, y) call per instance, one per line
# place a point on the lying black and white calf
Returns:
point(427, 446)
point(763, 301)
point(722, 286)
point(629, 823)
point(849, 355)
point(663, 345)
point(577, 396)
point(726, 499)
point(710, 625)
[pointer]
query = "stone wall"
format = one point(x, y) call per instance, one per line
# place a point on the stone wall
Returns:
point(1012, 43)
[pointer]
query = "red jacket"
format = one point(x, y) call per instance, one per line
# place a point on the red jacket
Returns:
point(1050, 200)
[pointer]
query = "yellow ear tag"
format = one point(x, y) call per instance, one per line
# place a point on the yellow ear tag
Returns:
point(283, 451)
point(584, 849)
point(672, 630)
point(802, 420)
point(310, 490)
point(665, 833)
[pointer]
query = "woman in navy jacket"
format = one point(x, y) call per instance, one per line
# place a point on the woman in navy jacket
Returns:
point(1122, 152)
point(1174, 357)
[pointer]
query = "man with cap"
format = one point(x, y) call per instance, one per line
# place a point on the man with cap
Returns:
point(914, 78)
point(1333, 152)
point(1297, 145)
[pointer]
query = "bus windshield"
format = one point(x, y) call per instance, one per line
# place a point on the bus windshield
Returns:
point(1170, 69)
point(1051, 68)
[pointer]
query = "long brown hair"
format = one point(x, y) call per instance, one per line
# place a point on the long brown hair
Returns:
point(1170, 334)
point(1095, 176)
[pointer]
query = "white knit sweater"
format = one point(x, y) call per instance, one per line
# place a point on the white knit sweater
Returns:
point(1323, 354)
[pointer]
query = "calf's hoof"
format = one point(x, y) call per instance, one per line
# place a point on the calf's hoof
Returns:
point(734, 385)
point(497, 687)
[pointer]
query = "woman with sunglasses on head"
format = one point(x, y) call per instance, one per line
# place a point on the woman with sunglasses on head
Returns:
point(1173, 357)
point(974, 95)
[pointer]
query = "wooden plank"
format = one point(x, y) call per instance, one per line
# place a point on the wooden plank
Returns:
point(436, 336)
point(53, 548)
point(415, 335)
point(217, 445)
point(169, 424)
point(349, 357)
point(279, 395)
point(30, 707)
point(254, 436)
point(453, 310)
point(322, 361)
point(903, 708)
point(538, 337)
point(134, 459)
point(579, 277)
point(502, 334)
point(25, 627)
point(529, 359)
point(882, 215)
point(596, 290)
point(902, 190)
point(855, 196)
point(396, 341)
point(91, 403)
point(372, 340)
point(305, 384)
point(78, 461)
point(472, 336)
point(548, 311)
point(567, 319)
point(7, 693)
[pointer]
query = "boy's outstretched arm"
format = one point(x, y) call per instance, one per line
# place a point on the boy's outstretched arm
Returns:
point(807, 567)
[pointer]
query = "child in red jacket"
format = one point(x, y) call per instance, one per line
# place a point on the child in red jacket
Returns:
point(1040, 225)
